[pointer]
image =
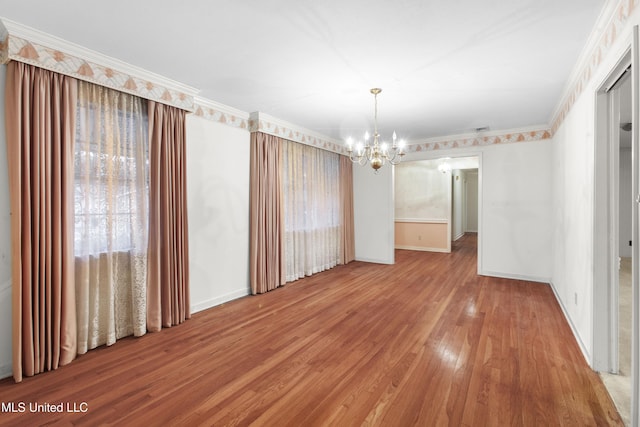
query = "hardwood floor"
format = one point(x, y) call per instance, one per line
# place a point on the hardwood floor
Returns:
point(423, 342)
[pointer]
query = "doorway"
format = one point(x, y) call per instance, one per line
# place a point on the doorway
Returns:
point(617, 378)
point(434, 203)
point(464, 202)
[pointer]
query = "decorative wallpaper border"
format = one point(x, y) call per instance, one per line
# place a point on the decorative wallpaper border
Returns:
point(221, 113)
point(613, 29)
point(260, 122)
point(470, 140)
point(58, 58)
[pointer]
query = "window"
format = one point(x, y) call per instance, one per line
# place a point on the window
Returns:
point(312, 209)
point(111, 171)
point(111, 195)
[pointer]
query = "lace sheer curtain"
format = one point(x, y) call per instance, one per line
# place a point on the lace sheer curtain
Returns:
point(312, 209)
point(111, 215)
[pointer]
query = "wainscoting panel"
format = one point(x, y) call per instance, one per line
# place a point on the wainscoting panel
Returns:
point(422, 235)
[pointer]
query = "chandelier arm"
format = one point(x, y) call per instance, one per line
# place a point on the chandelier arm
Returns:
point(396, 153)
point(394, 161)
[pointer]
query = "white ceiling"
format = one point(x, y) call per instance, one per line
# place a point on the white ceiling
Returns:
point(445, 66)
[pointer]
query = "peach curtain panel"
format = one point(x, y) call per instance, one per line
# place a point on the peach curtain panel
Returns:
point(168, 301)
point(40, 126)
point(266, 267)
point(346, 194)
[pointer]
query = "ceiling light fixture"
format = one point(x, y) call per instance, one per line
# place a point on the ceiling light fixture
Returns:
point(377, 154)
point(444, 166)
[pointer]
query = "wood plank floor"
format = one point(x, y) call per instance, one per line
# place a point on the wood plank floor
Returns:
point(424, 342)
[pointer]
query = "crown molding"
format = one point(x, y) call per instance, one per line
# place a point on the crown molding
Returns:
point(261, 122)
point(604, 17)
point(221, 113)
point(609, 25)
point(34, 47)
point(481, 139)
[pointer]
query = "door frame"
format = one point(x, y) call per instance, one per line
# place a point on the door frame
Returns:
point(605, 223)
point(606, 207)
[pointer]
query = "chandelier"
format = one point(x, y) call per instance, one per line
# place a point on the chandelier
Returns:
point(377, 154)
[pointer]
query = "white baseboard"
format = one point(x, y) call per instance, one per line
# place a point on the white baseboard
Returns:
point(204, 305)
point(583, 348)
point(546, 280)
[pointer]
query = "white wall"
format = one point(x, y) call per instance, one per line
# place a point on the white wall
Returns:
point(516, 211)
point(5, 245)
point(373, 211)
point(573, 195)
point(574, 222)
point(218, 203)
point(421, 191)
